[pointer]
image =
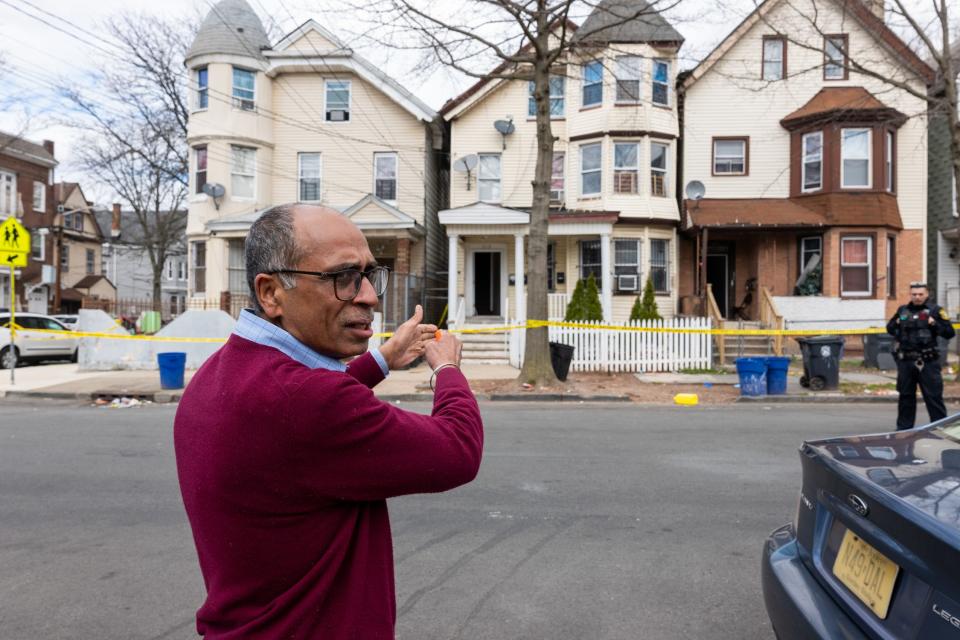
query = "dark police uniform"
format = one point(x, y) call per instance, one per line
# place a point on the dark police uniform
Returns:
point(918, 359)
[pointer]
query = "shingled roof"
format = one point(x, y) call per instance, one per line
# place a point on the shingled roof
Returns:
point(17, 147)
point(608, 22)
point(231, 27)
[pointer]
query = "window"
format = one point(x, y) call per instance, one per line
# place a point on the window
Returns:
point(309, 170)
point(730, 157)
point(626, 262)
point(181, 269)
point(243, 172)
point(243, 89)
point(200, 175)
point(64, 257)
point(856, 266)
point(660, 265)
point(592, 83)
point(8, 193)
point(488, 177)
point(891, 267)
point(236, 267)
point(889, 172)
point(591, 171)
point(556, 177)
point(661, 82)
point(36, 245)
point(39, 197)
point(551, 265)
point(590, 260)
point(812, 178)
point(169, 266)
point(774, 58)
point(658, 169)
point(557, 85)
point(628, 79)
point(626, 167)
point(855, 158)
point(835, 57)
point(337, 94)
point(385, 168)
point(91, 262)
point(78, 221)
point(199, 266)
point(811, 252)
point(202, 97)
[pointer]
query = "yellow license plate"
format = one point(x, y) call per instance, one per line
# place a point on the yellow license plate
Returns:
point(866, 572)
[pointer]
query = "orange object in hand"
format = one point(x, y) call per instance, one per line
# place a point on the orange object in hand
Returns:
point(437, 335)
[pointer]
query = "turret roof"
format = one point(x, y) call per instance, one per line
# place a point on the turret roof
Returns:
point(231, 27)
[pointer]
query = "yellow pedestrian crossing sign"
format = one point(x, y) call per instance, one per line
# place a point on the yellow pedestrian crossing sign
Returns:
point(14, 238)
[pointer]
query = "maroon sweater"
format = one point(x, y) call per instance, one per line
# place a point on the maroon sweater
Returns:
point(285, 472)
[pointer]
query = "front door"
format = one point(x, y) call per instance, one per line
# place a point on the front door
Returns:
point(718, 277)
point(486, 283)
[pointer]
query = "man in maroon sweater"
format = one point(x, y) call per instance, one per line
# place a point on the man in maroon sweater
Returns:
point(285, 456)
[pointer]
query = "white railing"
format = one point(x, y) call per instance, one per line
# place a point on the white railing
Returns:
point(633, 351)
point(557, 305)
point(458, 315)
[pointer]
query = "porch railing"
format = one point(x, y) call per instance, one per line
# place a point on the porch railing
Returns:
point(770, 317)
point(557, 305)
point(713, 310)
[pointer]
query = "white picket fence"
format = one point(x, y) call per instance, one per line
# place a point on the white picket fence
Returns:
point(633, 351)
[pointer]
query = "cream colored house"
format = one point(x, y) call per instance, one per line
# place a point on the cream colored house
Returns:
point(815, 175)
point(306, 120)
point(79, 241)
point(614, 212)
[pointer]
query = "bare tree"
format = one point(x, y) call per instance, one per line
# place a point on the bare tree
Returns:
point(513, 40)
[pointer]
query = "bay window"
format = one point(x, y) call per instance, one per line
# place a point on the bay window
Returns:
point(557, 177)
point(243, 89)
point(628, 73)
point(661, 83)
point(202, 97)
point(890, 154)
point(812, 178)
point(855, 166)
point(856, 266)
point(591, 170)
point(626, 167)
point(658, 169)
point(243, 172)
point(592, 83)
point(200, 168)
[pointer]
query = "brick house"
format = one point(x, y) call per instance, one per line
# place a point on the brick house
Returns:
point(26, 192)
point(815, 176)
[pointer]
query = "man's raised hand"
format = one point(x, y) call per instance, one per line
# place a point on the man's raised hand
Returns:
point(408, 341)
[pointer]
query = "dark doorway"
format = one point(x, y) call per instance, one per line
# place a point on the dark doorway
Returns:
point(486, 283)
point(721, 276)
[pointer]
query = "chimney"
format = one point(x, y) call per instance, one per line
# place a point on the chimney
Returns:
point(876, 7)
point(48, 145)
point(115, 222)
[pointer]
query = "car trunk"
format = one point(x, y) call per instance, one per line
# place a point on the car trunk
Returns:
point(878, 524)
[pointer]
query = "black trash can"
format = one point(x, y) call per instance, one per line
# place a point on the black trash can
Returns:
point(561, 355)
point(821, 361)
point(878, 351)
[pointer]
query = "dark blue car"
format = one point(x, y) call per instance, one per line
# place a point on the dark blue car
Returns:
point(874, 549)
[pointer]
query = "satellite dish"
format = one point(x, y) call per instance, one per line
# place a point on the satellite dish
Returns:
point(695, 190)
point(504, 128)
point(215, 191)
point(465, 165)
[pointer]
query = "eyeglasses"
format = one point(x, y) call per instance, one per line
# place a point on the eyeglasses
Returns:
point(346, 282)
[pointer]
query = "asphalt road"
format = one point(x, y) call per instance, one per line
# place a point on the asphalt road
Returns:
point(586, 522)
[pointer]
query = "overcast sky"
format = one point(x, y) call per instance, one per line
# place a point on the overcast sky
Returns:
point(34, 55)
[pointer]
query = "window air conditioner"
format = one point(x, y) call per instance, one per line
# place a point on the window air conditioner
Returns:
point(338, 115)
point(628, 283)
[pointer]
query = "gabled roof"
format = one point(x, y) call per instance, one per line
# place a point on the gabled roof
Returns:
point(62, 191)
point(17, 147)
point(608, 23)
point(400, 219)
point(89, 281)
point(832, 102)
point(856, 8)
point(130, 230)
point(484, 213)
point(231, 27)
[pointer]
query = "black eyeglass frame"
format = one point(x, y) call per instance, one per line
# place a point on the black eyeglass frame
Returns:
point(333, 275)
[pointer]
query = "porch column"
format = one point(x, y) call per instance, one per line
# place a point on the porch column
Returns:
point(402, 263)
point(452, 278)
point(606, 278)
point(518, 269)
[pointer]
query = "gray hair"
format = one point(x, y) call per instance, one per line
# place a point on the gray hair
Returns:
point(271, 246)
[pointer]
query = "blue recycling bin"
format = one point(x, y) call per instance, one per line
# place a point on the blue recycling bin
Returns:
point(172, 365)
point(753, 376)
point(777, 368)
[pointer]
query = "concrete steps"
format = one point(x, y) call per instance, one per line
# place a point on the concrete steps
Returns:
point(745, 346)
point(484, 348)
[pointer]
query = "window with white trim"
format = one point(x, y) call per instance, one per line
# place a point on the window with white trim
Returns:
point(64, 257)
point(8, 193)
point(557, 177)
point(244, 89)
point(488, 177)
point(660, 93)
point(37, 241)
point(812, 178)
point(889, 167)
point(856, 266)
point(199, 256)
point(309, 167)
point(91, 262)
point(243, 172)
point(628, 72)
point(39, 197)
point(660, 265)
point(730, 157)
point(855, 166)
point(658, 169)
point(591, 169)
point(626, 167)
point(169, 266)
point(590, 260)
point(385, 176)
point(773, 54)
point(202, 97)
point(626, 262)
point(181, 269)
point(200, 164)
point(557, 87)
point(835, 57)
point(337, 100)
point(592, 83)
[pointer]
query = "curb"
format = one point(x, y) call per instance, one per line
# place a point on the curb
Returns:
point(829, 399)
point(158, 397)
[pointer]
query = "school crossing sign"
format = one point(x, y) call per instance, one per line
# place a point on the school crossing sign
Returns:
point(14, 244)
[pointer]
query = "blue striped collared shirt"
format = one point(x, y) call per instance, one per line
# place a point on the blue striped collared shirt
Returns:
point(252, 327)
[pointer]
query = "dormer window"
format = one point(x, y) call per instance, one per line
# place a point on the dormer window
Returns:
point(592, 83)
point(835, 57)
point(337, 96)
point(243, 89)
point(855, 165)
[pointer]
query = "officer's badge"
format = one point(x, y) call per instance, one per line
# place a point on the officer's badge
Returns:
point(943, 314)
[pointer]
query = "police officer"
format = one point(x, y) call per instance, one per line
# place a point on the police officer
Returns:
point(916, 327)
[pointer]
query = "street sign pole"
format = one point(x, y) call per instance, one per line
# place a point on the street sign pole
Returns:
point(13, 329)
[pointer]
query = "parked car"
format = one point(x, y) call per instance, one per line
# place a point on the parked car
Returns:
point(32, 345)
point(874, 549)
point(69, 320)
